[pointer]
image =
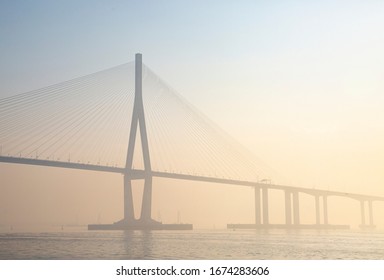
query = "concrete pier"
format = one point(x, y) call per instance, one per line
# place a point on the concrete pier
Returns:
point(362, 207)
point(317, 206)
point(370, 213)
point(296, 209)
point(292, 211)
point(129, 214)
point(363, 224)
point(265, 206)
point(288, 208)
point(257, 207)
point(284, 226)
point(325, 209)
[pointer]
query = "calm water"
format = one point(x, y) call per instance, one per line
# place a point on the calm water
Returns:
point(197, 244)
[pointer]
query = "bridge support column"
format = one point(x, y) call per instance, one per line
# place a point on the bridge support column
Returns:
point(288, 208)
point(325, 209)
point(317, 205)
point(146, 206)
point(265, 206)
point(257, 206)
point(362, 207)
point(370, 213)
point(296, 208)
point(129, 214)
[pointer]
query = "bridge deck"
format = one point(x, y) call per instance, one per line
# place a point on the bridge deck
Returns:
point(140, 174)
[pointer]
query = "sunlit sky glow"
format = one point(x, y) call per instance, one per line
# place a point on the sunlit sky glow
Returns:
point(299, 83)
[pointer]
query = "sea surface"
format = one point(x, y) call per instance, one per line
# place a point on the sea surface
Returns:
point(69, 243)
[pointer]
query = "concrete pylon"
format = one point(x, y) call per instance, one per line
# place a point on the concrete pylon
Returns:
point(138, 120)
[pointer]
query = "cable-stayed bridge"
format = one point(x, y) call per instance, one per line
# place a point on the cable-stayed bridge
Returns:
point(126, 120)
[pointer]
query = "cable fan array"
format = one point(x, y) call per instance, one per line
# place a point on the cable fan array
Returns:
point(82, 120)
point(87, 120)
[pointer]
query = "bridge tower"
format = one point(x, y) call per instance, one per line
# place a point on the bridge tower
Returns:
point(138, 121)
point(145, 222)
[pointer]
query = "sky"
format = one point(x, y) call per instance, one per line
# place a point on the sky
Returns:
point(298, 83)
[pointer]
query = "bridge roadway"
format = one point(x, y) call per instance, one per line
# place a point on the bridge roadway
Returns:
point(291, 192)
point(141, 174)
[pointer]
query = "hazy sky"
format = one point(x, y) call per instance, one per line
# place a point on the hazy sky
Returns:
point(299, 83)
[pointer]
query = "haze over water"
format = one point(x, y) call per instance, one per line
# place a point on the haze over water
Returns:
point(299, 83)
point(198, 244)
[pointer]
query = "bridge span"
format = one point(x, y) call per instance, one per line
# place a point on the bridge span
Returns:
point(138, 126)
point(261, 189)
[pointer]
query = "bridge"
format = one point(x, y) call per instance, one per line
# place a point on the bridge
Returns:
point(32, 134)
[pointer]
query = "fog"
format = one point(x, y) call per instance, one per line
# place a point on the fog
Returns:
point(299, 84)
point(36, 198)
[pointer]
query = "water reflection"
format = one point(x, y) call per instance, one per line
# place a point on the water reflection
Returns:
point(138, 244)
point(198, 244)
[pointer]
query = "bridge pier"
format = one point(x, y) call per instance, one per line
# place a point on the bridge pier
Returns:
point(325, 209)
point(129, 214)
point(257, 206)
point(370, 213)
point(362, 209)
point(261, 206)
point(265, 206)
point(146, 206)
point(317, 206)
point(292, 199)
point(288, 208)
point(296, 209)
point(364, 225)
point(292, 211)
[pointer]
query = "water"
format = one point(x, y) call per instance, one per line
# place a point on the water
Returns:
point(196, 244)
